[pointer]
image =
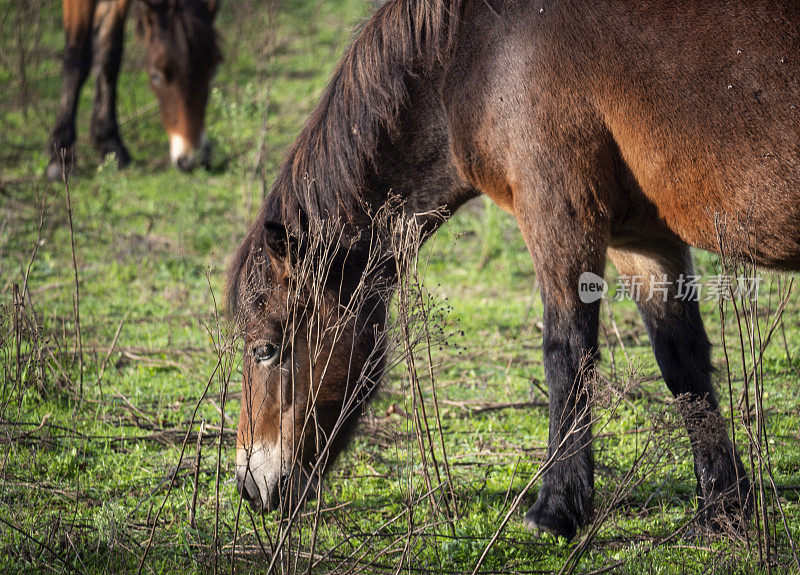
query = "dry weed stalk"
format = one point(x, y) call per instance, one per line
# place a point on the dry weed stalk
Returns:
point(736, 243)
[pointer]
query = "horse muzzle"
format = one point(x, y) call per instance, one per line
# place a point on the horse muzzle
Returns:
point(266, 480)
point(286, 494)
point(187, 157)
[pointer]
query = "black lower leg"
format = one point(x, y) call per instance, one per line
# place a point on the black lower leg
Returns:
point(682, 351)
point(77, 63)
point(108, 42)
point(564, 503)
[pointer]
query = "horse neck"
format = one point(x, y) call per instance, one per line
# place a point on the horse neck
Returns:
point(398, 190)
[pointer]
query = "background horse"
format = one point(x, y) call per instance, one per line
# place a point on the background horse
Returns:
point(182, 54)
point(607, 128)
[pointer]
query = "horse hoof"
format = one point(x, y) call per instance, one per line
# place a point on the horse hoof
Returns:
point(726, 502)
point(724, 522)
point(115, 149)
point(123, 159)
point(54, 172)
point(545, 516)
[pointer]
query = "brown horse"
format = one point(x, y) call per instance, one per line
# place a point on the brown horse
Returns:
point(182, 54)
point(608, 128)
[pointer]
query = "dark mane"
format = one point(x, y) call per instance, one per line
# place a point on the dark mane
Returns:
point(322, 175)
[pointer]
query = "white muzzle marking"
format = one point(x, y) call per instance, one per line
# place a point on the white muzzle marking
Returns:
point(179, 147)
point(263, 468)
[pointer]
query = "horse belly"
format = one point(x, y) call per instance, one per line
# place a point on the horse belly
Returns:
point(709, 130)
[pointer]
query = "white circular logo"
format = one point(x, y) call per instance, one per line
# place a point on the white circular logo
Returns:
point(591, 287)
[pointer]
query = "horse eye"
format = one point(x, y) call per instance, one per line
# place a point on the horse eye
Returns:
point(265, 353)
point(157, 78)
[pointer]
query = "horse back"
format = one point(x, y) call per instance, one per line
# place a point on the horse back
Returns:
point(693, 105)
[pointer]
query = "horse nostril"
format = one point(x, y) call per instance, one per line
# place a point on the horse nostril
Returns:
point(249, 492)
point(204, 155)
point(185, 163)
point(241, 487)
point(275, 498)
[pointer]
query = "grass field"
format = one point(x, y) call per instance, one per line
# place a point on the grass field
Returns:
point(100, 418)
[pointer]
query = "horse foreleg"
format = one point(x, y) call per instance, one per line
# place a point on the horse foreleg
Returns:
point(565, 241)
point(683, 353)
point(109, 23)
point(77, 15)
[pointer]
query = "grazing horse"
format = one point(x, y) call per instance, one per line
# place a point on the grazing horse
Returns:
point(608, 129)
point(182, 54)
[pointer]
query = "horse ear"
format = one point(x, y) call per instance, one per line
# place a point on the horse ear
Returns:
point(283, 247)
point(211, 7)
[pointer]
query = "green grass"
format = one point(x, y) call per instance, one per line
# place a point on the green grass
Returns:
point(84, 476)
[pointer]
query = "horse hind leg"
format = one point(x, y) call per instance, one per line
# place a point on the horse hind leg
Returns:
point(683, 354)
point(77, 15)
point(109, 23)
